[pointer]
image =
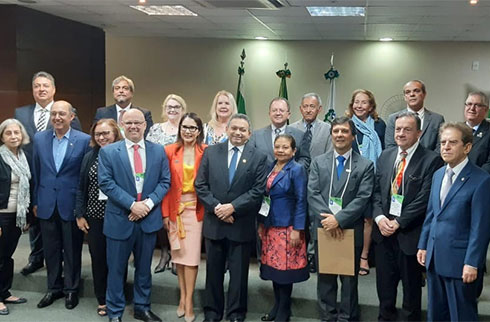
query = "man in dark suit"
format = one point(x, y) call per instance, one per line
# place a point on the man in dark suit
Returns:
point(414, 93)
point(134, 175)
point(123, 91)
point(57, 159)
point(35, 118)
point(231, 200)
point(456, 232)
point(402, 188)
point(475, 112)
point(279, 112)
point(343, 174)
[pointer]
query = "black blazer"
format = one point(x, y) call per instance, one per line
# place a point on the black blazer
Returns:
point(480, 152)
point(245, 192)
point(82, 193)
point(110, 112)
point(5, 178)
point(418, 178)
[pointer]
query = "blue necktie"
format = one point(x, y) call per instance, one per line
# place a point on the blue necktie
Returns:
point(340, 167)
point(232, 168)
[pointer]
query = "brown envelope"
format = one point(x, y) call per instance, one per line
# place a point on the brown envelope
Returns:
point(336, 256)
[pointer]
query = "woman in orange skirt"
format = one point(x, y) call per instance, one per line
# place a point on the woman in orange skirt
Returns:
point(182, 211)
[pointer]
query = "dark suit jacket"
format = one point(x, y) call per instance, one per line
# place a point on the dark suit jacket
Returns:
point(262, 141)
point(25, 115)
point(245, 192)
point(116, 180)
point(356, 197)
point(480, 152)
point(417, 179)
point(110, 112)
point(288, 198)
point(458, 232)
point(430, 130)
point(57, 189)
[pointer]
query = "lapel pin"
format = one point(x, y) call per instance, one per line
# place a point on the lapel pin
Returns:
point(480, 134)
point(71, 144)
point(244, 161)
point(462, 179)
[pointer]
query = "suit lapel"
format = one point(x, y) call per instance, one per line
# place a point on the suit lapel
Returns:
point(436, 196)
point(427, 120)
point(148, 166)
point(113, 112)
point(267, 137)
point(49, 148)
point(241, 165)
point(69, 148)
point(281, 174)
point(458, 183)
point(124, 158)
point(389, 170)
point(480, 133)
point(30, 121)
point(414, 164)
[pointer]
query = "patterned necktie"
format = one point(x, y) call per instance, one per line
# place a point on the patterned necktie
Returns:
point(41, 123)
point(232, 168)
point(447, 185)
point(340, 166)
point(307, 137)
point(138, 166)
point(121, 113)
point(397, 183)
point(277, 132)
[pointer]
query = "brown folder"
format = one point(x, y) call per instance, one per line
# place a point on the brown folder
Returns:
point(336, 256)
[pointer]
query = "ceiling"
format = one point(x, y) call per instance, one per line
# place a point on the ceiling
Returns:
point(402, 20)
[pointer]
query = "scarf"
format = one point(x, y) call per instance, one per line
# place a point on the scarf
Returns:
point(371, 145)
point(20, 168)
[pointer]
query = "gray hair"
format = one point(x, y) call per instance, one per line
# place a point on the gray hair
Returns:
point(482, 95)
point(7, 122)
point(240, 116)
point(314, 95)
point(411, 115)
point(45, 75)
point(123, 78)
point(276, 99)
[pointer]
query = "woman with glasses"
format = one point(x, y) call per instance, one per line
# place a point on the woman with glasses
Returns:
point(223, 107)
point(165, 133)
point(182, 212)
point(90, 206)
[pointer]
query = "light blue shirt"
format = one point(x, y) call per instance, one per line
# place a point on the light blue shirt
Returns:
point(59, 148)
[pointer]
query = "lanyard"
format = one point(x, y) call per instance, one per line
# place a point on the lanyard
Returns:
point(332, 174)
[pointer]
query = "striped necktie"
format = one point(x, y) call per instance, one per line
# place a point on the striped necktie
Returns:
point(41, 123)
point(397, 183)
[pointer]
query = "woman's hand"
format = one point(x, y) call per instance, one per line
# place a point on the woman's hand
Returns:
point(165, 223)
point(295, 238)
point(260, 231)
point(83, 224)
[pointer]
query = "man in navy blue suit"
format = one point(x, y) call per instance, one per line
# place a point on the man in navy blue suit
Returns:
point(35, 118)
point(456, 232)
point(57, 159)
point(123, 91)
point(134, 175)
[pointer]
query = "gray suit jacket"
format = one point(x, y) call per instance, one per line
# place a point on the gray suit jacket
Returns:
point(321, 140)
point(356, 197)
point(430, 130)
point(262, 141)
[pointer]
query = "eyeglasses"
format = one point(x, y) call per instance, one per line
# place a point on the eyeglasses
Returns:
point(103, 133)
point(476, 105)
point(191, 129)
point(174, 107)
point(137, 123)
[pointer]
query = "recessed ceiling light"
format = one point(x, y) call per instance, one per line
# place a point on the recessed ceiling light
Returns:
point(141, 1)
point(473, 2)
point(386, 39)
point(261, 38)
point(165, 10)
point(337, 11)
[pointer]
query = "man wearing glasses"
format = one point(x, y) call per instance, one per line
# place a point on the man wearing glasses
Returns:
point(123, 91)
point(475, 112)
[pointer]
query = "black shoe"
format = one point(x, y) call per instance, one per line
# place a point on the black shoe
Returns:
point(115, 319)
point(267, 317)
point(146, 316)
point(49, 298)
point(311, 263)
point(4, 311)
point(31, 268)
point(163, 264)
point(71, 300)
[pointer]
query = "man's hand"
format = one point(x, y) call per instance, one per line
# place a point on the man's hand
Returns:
point(229, 220)
point(421, 254)
point(34, 211)
point(224, 211)
point(330, 222)
point(140, 209)
point(386, 227)
point(469, 274)
point(337, 233)
point(83, 224)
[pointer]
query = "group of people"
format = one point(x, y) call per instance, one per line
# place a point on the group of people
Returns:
point(130, 185)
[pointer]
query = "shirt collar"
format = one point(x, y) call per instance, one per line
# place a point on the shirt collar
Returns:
point(38, 107)
point(346, 155)
point(312, 124)
point(282, 128)
point(66, 135)
point(475, 128)
point(129, 144)
point(420, 113)
point(231, 146)
point(119, 108)
point(409, 151)
point(457, 169)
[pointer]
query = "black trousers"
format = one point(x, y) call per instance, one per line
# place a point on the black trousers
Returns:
point(97, 248)
point(393, 266)
point(62, 242)
point(282, 302)
point(8, 244)
point(36, 242)
point(237, 254)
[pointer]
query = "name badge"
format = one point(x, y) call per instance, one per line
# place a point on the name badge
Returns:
point(335, 204)
point(396, 205)
point(266, 205)
point(102, 195)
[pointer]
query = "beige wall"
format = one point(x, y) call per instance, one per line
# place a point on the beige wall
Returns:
point(197, 68)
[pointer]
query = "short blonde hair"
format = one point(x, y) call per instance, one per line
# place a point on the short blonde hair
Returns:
point(173, 97)
point(7, 122)
point(212, 111)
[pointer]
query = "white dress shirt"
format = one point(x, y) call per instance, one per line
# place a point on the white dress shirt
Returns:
point(119, 109)
point(142, 152)
point(230, 153)
point(421, 114)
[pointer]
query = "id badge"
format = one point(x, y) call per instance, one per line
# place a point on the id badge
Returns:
point(335, 204)
point(102, 195)
point(140, 177)
point(266, 205)
point(396, 205)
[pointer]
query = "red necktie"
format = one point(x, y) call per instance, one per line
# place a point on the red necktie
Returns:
point(138, 166)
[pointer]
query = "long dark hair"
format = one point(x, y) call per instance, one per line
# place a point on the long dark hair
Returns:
point(192, 116)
